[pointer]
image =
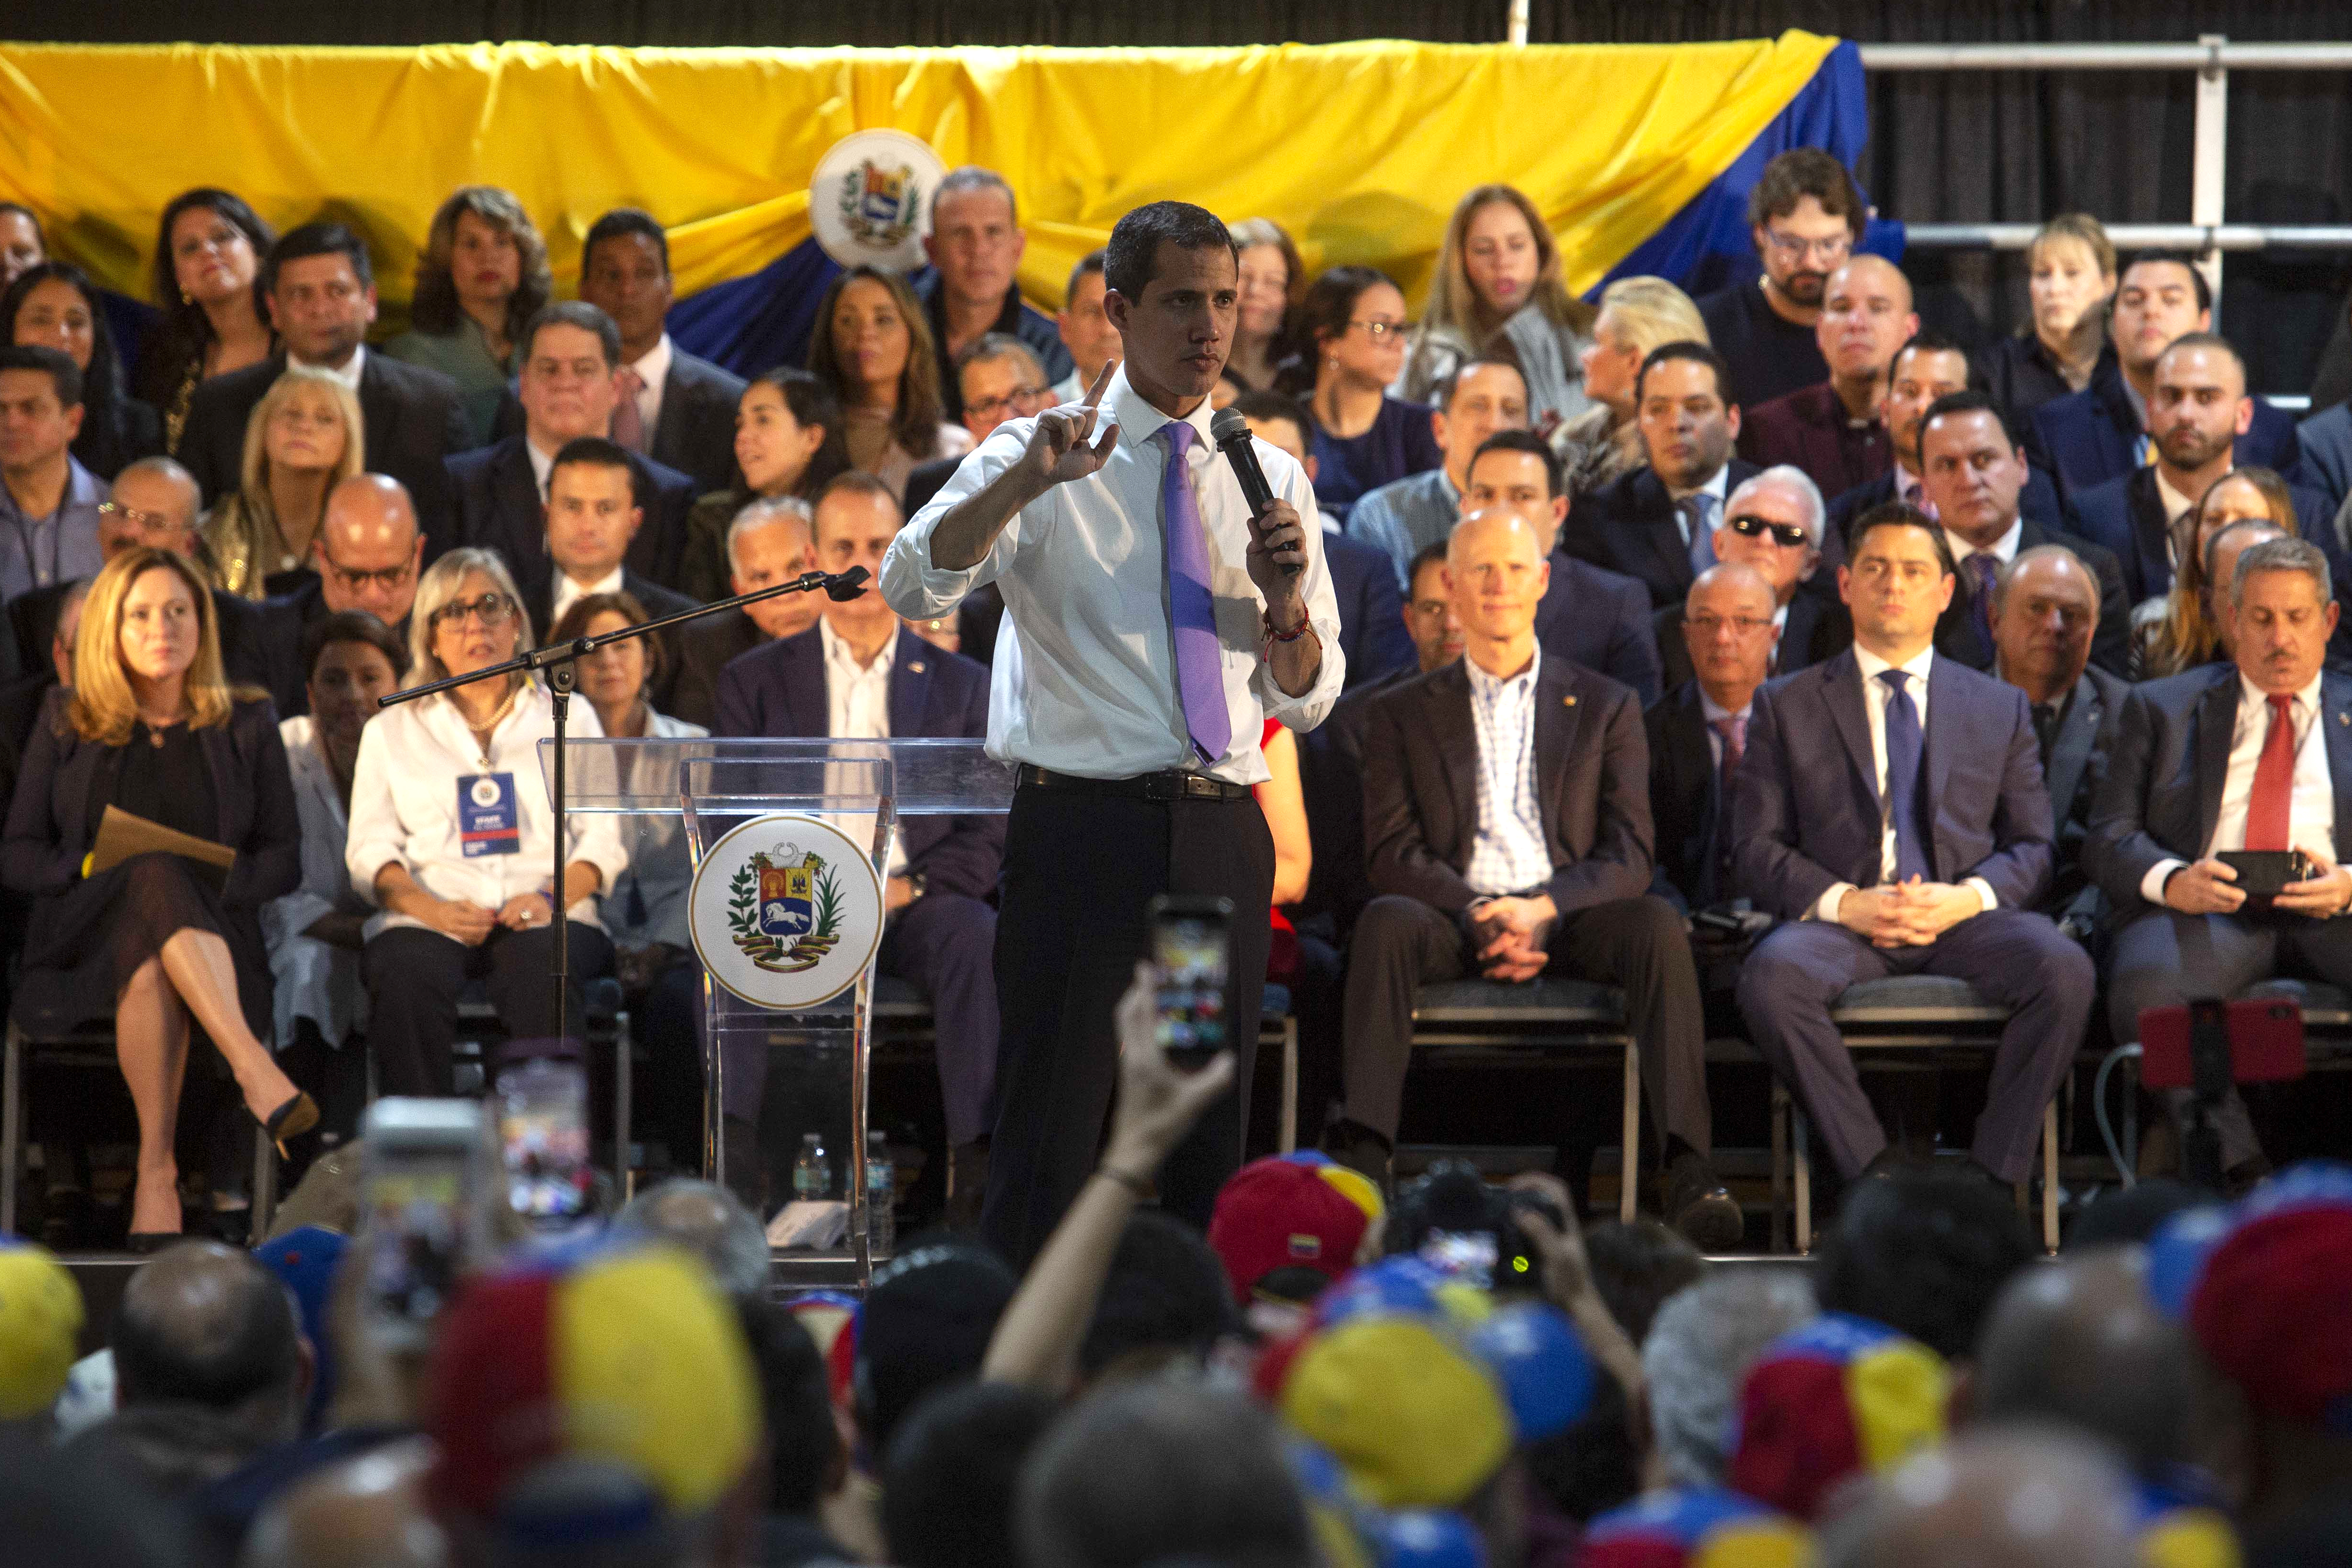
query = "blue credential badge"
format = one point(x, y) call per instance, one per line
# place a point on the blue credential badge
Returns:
point(488, 821)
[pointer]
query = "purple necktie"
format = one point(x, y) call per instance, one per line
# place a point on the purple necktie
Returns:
point(1200, 675)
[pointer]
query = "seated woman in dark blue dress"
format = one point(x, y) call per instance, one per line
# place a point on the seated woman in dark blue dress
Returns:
point(1354, 322)
point(154, 943)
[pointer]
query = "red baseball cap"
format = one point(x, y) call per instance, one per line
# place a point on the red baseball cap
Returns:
point(1292, 1212)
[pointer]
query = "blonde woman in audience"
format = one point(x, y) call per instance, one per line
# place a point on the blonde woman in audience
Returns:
point(1637, 315)
point(2072, 270)
point(1498, 290)
point(1274, 283)
point(2176, 631)
point(483, 276)
point(873, 348)
point(303, 438)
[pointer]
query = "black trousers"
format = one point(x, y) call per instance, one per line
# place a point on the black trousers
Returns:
point(415, 978)
point(1079, 868)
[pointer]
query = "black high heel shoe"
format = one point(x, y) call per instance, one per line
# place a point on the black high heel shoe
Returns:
point(292, 1120)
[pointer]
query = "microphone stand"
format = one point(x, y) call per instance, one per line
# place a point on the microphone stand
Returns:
point(557, 660)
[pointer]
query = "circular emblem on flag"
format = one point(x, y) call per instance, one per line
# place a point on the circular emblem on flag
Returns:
point(870, 199)
point(785, 910)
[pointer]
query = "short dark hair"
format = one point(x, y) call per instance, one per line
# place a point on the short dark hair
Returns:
point(1699, 354)
point(2212, 341)
point(811, 401)
point(952, 1471)
point(353, 626)
point(994, 346)
point(1923, 1252)
point(65, 376)
point(1265, 404)
point(321, 238)
point(1968, 399)
point(1130, 260)
point(1636, 1267)
point(572, 625)
point(1927, 340)
point(591, 452)
point(620, 222)
point(1423, 560)
point(1093, 261)
point(573, 313)
point(2175, 259)
point(1165, 1293)
point(32, 217)
point(1522, 441)
point(254, 1346)
point(1451, 381)
point(852, 482)
point(972, 177)
point(795, 1396)
point(1803, 172)
point(1899, 515)
point(1330, 302)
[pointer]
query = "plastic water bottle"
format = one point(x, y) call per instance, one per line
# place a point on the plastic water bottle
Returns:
point(881, 1195)
point(813, 1172)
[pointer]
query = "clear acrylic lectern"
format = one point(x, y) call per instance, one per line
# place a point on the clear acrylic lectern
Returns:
point(690, 795)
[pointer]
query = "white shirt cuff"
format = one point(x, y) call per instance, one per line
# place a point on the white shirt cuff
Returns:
point(1984, 891)
point(1827, 908)
point(2151, 886)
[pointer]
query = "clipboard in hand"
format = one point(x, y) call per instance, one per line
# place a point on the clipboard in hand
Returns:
point(122, 834)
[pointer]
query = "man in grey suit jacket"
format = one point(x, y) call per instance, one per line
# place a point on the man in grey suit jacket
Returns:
point(678, 410)
point(2223, 757)
point(1507, 817)
point(1897, 841)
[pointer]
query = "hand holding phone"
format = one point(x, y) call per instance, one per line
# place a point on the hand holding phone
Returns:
point(421, 1223)
point(1192, 960)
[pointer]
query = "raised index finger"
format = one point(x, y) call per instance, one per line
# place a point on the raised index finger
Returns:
point(1102, 379)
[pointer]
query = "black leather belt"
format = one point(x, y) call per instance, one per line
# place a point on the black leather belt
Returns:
point(1173, 785)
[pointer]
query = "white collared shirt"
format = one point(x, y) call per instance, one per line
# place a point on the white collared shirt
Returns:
point(2175, 507)
point(1717, 488)
point(2311, 807)
point(653, 372)
point(1509, 854)
point(2003, 550)
point(348, 375)
point(1085, 678)
point(1905, 482)
point(569, 590)
point(1714, 713)
point(1875, 695)
point(542, 464)
point(857, 703)
point(404, 805)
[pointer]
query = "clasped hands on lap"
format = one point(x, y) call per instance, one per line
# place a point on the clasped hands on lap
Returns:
point(1510, 936)
point(1912, 913)
point(2205, 887)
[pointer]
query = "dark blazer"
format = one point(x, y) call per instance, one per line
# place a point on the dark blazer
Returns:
point(260, 640)
point(1331, 782)
point(1421, 788)
point(1601, 618)
point(1685, 802)
point(538, 597)
point(2038, 502)
point(67, 782)
point(705, 647)
point(695, 433)
point(779, 690)
point(926, 480)
point(498, 508)
point(1371, 610)
point(1805, 812)
point(2126, 514)
point(1808, 429)
point(1632, 527)
point(2167, 767)
point(414, 420)
point(2087, 438)
point(1818, 628)
point(2074, 768)
point(1955, 631)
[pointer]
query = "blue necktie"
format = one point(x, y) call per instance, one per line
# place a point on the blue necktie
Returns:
point(1904, 747)
point(1199, 672)
point(1983, 568)
point(1700, 509)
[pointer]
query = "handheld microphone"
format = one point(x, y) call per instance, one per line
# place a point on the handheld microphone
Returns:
point(1231, 432)
point(843, 586)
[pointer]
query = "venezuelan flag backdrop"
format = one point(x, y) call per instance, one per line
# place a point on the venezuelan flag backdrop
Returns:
point(1633, 152)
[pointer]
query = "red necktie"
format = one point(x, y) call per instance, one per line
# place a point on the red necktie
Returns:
point(628, 424)
point(2267, 806)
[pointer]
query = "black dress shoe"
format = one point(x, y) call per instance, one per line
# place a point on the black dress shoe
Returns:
point(146, 1243)
point(1701, 1208)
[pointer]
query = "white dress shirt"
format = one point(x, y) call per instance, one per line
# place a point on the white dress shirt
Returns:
point(2002, 550)
point(570, 591)
point(857, 705)
point(1085, 677)
point(1875, 698)
point(350, 373)
point(659, 871)
point(653, 372)
point(404, 805)
point(314, 980)
point(1714, 713)
point(1509, 854)
point(2175, 507)
point(2310, 802)
point(542, 464)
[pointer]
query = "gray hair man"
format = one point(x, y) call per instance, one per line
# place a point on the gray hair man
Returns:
point(1774, 523)
point(770, 541)
point(1699, 1350)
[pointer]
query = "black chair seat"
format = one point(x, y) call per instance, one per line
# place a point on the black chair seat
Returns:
point(1549, 999)
point(1916, 999)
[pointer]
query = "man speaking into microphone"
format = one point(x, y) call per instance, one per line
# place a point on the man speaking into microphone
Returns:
point(1152, 626)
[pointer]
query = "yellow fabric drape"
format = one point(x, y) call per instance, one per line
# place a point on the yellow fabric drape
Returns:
point(1360, 150)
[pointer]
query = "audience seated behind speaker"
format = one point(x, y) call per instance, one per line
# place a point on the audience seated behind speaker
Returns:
point(1497, 291)
point(213, 317)
point(768, 543)
point(787, 444)
point(55, 305)
point(480, 279)
point(591, 521)
point(2062, 344)
point(1772, 523)
point(305, 437)
point(1637, 315)
point(1363, 438)
point(1403, 519)
point(1805, 216)
point(2181, 628)
point(48, 499)
point(875, 352)
point(1835, 431)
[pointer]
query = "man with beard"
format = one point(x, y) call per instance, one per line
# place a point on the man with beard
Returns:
point(1836, 430)
point(1806, 217)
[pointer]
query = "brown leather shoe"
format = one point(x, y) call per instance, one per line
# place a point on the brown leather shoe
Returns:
point(1701, 1208)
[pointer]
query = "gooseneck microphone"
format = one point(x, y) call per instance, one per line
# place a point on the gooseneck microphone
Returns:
point(1231, 432)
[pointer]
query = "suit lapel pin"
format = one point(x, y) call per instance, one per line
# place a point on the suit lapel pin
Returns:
point(1568, 702)
point(2345, 718)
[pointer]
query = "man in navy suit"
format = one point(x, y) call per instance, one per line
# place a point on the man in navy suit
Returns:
point(1657, 523)
point(1773, 525)
point(2225, 758)
point(591, 517)
point(1698, 733)
point(1588, 616)
point(2199, 412)
point(674, 408)
point(2099, 434)
point(571, 383)
point(860, 674)
point(1890, 808)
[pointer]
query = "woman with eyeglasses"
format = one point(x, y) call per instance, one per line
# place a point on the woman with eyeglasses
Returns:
point(156, 944)
point(207, 285)
point(55, 305)
point(2177, 631)
point(1363, 438)
point(304, 438)
point(451, 835)
point(1498, 292)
